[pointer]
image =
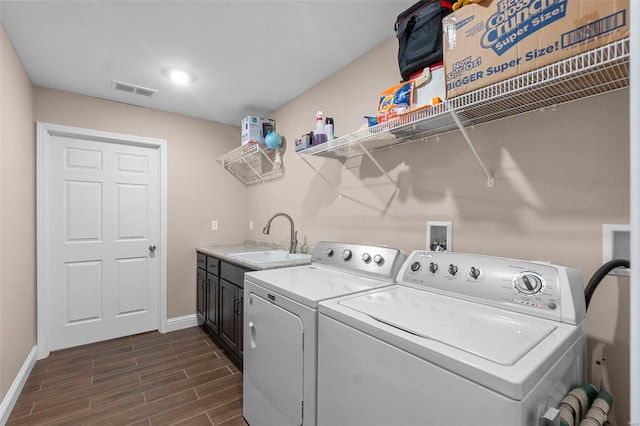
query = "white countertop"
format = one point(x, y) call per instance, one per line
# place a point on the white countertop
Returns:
point(224, 253)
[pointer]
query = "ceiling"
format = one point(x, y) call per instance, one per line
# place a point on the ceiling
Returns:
point(248, 57)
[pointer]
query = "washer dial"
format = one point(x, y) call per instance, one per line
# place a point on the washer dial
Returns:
point(474, 272)
point(453, 269)
point(346, 254)
point(528, 283)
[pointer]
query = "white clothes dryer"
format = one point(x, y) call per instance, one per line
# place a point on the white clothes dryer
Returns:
point(460, 340)
point(280, 326)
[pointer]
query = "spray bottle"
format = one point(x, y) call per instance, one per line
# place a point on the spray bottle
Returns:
point(328, 128)
point(319, 136)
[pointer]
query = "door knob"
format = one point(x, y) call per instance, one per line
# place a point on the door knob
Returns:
point(152, 247)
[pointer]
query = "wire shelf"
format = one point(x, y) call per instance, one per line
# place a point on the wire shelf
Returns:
point(591, 73)
point(251, 164)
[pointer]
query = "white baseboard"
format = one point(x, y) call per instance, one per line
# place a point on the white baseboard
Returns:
point(178, 323)
point(10, 399)
point(12, 395)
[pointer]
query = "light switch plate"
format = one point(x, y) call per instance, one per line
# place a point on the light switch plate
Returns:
point(214, 225)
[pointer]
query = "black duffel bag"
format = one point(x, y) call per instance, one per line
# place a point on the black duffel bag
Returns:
point(419, 32)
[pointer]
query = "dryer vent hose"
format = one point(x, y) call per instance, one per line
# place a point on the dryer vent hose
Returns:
point(600, 274)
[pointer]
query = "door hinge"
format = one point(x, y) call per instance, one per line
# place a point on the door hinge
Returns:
point(302, 410)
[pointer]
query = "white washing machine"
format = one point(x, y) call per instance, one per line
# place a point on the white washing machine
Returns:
point(280, 326)
point(460, 340)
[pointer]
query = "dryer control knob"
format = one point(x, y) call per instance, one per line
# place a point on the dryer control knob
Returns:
point(379, 260)
point(453, 269)
point(346, 254)
point(415, 266)
point(433, 267)
point(329, 252)
point(474, 272)
point(528, 283)
point(366, 258)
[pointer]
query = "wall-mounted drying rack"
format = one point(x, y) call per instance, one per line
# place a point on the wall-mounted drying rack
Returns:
point(591, 73)
point(251, 164)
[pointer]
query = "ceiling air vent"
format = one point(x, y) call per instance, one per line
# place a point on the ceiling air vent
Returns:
point(133, 88)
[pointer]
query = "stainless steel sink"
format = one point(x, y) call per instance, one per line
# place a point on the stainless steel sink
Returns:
point(271, 256)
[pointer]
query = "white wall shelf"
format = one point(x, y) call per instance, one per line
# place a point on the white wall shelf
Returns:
point(597, 71)
point(252, 164)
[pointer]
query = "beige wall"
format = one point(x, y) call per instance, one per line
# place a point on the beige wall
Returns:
point(559, 175)
point(17, 215)
point(199, 189)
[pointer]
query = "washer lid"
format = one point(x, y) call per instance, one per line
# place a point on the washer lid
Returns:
point(499, 336)
point(310, 284)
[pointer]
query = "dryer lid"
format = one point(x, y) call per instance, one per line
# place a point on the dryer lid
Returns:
point(494, 334)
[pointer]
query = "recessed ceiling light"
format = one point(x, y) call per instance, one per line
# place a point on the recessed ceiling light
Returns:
point(180, 76)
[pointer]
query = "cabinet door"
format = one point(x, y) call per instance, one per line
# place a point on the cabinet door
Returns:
point(201, 301)
point(211, 318)
point(227, 315)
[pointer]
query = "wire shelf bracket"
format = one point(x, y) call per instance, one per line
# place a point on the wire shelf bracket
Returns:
point(490, 179)
point(377, 164)
point(251, 164)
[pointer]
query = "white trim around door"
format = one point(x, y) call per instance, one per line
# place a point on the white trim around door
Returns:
point(45, 131)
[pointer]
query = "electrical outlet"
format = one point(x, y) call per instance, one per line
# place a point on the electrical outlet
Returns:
point(214, 225)
point(250, 225)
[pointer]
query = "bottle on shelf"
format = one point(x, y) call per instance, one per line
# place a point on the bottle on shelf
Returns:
point(319, 136)
point(328, 128)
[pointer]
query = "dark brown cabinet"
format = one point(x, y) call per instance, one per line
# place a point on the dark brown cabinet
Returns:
point(211, 296)
point(201, 290)
point(228, 314)
point(220, 296)
point(207, 291)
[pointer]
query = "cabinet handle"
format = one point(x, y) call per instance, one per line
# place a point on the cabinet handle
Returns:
point(238, 312)
point(235, 306)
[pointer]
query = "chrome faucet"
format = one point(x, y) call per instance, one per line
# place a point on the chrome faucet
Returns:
point(294, 233)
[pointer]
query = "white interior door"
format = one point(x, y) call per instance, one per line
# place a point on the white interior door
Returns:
point(104, 239)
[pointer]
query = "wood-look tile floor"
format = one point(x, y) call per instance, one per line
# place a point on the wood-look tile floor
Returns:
point(177, 378)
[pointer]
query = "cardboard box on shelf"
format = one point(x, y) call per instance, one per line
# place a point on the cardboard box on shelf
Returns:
point(499, 39)
point(254, 129)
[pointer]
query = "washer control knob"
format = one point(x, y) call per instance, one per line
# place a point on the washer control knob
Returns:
point(415, 266)
point(433, 267)
point(453, 269)
point(378, 260)
point(474, 272)
point(528, 283)
point(346, 255)
point(366, 258)
point(329, 252)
